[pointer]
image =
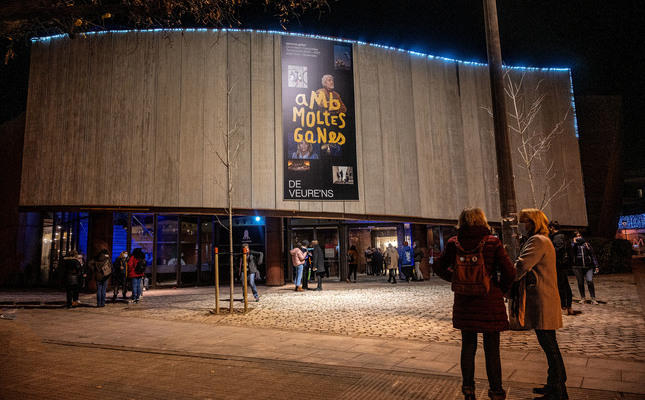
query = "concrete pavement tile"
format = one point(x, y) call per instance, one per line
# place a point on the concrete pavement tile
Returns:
point(633, 376)
point(575, 361)
point(601, 384)
point(525, 365)
point(426, 365)
point(632, 387)
point(375, 360)
point(376, 348)
point(599, 362)
point(604, 373)
point(335, 355)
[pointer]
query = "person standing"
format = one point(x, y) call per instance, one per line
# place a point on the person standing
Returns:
point(391, 263)
point(136, 270)
point(407, 260)
point(561, 246)
point(584, 266)
point(368, 261)
point(418, 257)
point(318, 263)
point(352, 262)
point(253, 259)
point(486, 313)
point(120, 275)
point(538, 298)
point(101, 266)
point(72, 273)
point(377, 261)
point(298, 260)
point(306, 267)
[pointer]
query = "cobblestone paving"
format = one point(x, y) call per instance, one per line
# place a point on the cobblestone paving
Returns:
point(414, 311)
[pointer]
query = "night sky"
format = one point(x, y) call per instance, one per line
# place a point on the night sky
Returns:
point(599, 40)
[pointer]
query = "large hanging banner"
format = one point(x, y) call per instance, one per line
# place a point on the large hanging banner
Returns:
point(318, 120)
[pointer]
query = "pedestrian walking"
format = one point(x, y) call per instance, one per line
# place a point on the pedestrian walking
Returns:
point(306, 267)
point(136, 270)
point(479, 313)
point(391, 263)
point(318, 263)
point(253, 260)
point(298, 260)
point(585, 265)
point(352, 262)
point(561, 246)
point(73, 272)
point(538, 300)
point(101, 267)
point(418, 257)
point(368, 261)
point(120, 275)
point(377, 261)
point(406, 259)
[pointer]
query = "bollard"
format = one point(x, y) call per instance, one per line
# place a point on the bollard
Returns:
point(216, 280)
point(246, 302)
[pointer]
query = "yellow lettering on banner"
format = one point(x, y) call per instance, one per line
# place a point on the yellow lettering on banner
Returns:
point(297, 136)
point(311, 119)
point(301, 99)
point(322, 135)
point(341, 116)
point(309, 137)
point(318, 99)
point(334, 104)
point(338, 138)
point(299, 112)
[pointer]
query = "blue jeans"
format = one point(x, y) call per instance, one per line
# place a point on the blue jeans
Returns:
point(583, 275)
point(299, 274)
point(101, 287)
point(136, 288)
point(252, 284)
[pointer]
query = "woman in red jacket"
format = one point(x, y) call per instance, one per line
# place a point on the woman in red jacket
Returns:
point(136, 270)
point(485, 313)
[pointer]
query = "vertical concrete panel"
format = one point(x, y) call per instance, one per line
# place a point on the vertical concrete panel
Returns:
point(98, 137)
point(191, 136)
point(167, 139)
point(262, 122)
point(215, 80)
point(239, 78)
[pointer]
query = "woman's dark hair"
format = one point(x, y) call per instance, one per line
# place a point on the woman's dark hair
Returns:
point(138, 253)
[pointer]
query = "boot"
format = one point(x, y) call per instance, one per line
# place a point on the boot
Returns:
point(469, 392)
point(299, 289)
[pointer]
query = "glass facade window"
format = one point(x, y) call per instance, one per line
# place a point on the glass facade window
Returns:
point(188, 250)
point(168, 252)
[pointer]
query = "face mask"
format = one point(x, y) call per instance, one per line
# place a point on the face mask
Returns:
point(580, 240)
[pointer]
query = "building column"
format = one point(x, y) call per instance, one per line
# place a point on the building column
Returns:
point(274, 252)
point(420, 234)
point(100, 237)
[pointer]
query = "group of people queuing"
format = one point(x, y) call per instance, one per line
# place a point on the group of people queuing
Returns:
point(531, 284)
point(125, 270)
point(308, 260)
point(392, 261)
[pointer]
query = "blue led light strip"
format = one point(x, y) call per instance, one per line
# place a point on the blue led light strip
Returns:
point(413, 53)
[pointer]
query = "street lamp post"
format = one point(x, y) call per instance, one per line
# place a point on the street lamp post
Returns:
point(507, 201)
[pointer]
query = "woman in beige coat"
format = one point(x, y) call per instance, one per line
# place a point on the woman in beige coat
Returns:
point(391, 263)
point(538, 284)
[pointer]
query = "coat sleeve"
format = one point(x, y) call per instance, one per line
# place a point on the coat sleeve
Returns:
point(529, 257)
point(506, 268)
point(444, 261)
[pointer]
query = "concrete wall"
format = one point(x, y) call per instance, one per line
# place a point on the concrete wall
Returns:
point(135, 119)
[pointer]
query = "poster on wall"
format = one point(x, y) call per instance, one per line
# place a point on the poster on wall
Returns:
point(318, 120)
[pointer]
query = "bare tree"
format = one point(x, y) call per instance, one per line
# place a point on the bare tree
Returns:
point(228, 158)
point(534, 141)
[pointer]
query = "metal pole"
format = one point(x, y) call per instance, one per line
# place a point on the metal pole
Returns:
point(507, 201)
point(246, 302)
point(216, 280)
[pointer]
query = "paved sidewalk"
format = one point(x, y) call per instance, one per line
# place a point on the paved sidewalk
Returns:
point(364, 328)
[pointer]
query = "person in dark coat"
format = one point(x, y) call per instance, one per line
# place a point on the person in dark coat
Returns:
point(307, 265)
point(561, 246)
point(253, 259)
point(486, 313)
point(120, 275)
point(377, 261)
point(100, 263)
point(352, 263)
point(585, 265)
point(318, 263)
point(72, 274)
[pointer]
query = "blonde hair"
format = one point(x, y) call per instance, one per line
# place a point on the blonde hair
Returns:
point(539, 220)
point(472, 216)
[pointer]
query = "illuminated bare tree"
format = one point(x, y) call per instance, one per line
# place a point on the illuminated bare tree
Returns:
point(228, 158)
point(22, 19)
point(534, 141)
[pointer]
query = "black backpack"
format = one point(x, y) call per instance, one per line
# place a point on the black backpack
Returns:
point(140, 268)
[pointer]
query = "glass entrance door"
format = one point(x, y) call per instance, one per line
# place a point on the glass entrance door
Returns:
point(328, 240)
